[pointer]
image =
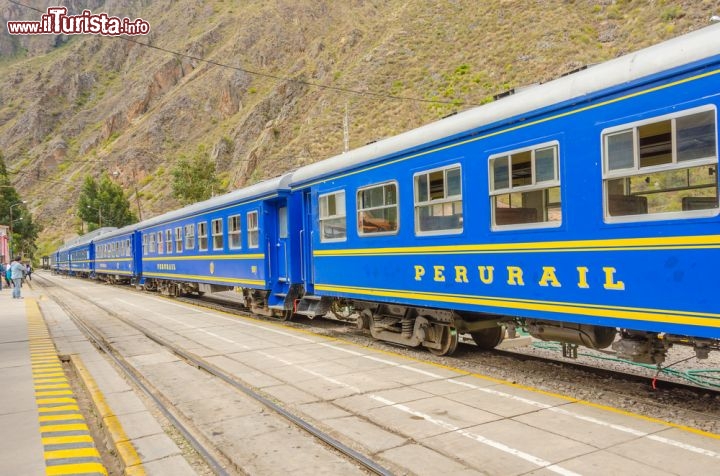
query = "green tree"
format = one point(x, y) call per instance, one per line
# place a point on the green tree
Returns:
point(195, 178)
point(104, 204)
point(24, 230)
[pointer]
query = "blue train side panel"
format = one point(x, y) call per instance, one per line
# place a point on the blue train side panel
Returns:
point(243, 239)
point(608, 253)
point(116, 255)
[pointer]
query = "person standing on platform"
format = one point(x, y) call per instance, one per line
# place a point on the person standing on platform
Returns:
point(17, 270)
point(6, 276)
point(2, 275)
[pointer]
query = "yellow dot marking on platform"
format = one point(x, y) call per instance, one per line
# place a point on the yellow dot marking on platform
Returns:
point(54, 395)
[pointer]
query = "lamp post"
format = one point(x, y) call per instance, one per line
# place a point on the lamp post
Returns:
point(99, 210)
point(11, 223)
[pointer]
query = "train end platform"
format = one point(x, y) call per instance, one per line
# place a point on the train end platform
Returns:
point(41, 422)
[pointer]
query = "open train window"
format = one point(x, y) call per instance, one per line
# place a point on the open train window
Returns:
point(377, 210)
point(178, 239)
point(217, 233)
point(333, 221)
point(168, 241)
point(202, 236)
point(525, 188)
point(438, 201)
point(190, 236)
point(234, 234)
point(253, 230)
point(661, 168)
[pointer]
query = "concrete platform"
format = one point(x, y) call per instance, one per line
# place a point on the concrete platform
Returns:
point(41, 427)
point(40, 422)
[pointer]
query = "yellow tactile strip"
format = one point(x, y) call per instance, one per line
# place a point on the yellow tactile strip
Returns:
point(126, 451)
point(68, 446)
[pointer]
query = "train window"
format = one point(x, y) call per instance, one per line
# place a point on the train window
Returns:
point(438, 201)
point(377, 209)
point(178, 239)
point(160, 246)
point(152, 243)
point(217, 233)
point(190, 236)
point(253, 230)
point(282, 222)
point(333, 223)
point(202, 236)
point(146, 244)
point(128, 250)
point(662, 168)
point(234, 233)
point(168, 241)
point(525, 187)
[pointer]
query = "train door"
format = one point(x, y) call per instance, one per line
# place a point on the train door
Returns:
point(306, 242)
point(276, 236)
point(281, 244)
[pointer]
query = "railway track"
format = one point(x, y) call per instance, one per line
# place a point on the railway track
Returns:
point(467, 348)
point(615, 383)
point(215, 460)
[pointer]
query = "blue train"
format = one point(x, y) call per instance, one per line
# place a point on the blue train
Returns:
point(584, 210)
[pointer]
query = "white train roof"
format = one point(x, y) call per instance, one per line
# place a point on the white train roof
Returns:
point(260, 189)
point(682, 50)
point(86, 238)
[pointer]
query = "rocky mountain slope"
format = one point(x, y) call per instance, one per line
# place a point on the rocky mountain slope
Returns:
point(263, 87)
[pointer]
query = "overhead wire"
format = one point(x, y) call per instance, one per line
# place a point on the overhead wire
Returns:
point(275, 76)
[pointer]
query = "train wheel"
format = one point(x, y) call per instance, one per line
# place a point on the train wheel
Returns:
point(488, 339)
point(284, 315)
point(448, 341)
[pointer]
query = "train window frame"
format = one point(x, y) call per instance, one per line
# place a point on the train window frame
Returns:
point(178, 239)
point(253, 229)
point(202, 236)
point(430, 203)
point(234, 232)
point(189, 236)
point(663, 163)
point(545, 190)
point(160, 243)
point(361, 212)
point(216, 229)
point(168, 241)
point(328, 219)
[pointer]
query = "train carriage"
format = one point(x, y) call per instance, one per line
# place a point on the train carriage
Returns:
point(238, 240)
point(80, 255)
point(572, 209)
point(77, 256)
point(62, 260)
point(117, 259)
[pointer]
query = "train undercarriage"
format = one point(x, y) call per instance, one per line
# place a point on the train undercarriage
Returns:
point(438, 330)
